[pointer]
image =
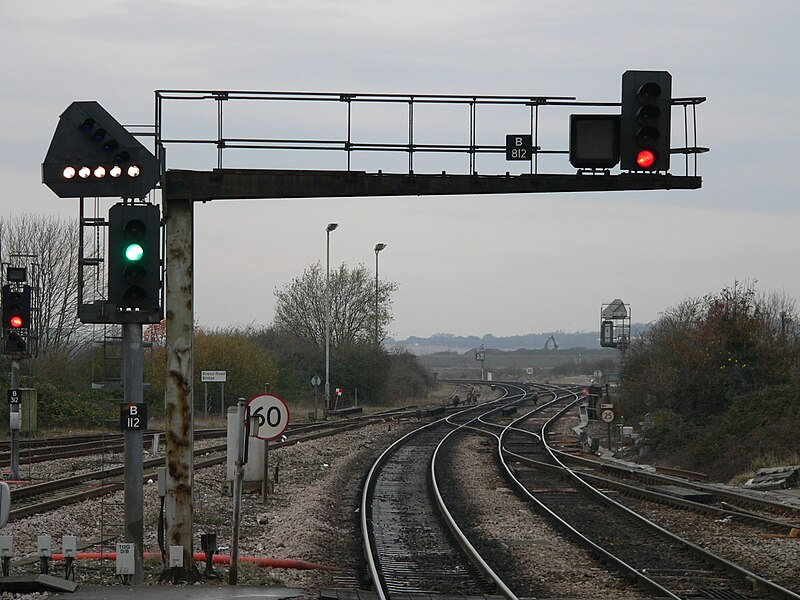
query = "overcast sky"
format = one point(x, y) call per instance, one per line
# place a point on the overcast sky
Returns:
point(465, 265)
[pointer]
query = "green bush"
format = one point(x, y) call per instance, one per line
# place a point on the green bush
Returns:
point(717, 381)
point(59, 407)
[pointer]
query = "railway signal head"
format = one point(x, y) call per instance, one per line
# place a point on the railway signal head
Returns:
point(134, 264)
point(607, 334)
point(645, 120)
point(16, 302)
point(16, 307)
point(593, 141)
point(92, 155)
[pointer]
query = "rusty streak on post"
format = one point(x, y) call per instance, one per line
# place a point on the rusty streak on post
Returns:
point(180, 339)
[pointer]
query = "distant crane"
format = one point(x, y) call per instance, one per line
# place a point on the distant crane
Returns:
point(547, 343)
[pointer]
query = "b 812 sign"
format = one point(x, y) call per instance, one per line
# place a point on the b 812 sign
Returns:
point(519, 147)
point(133, 416)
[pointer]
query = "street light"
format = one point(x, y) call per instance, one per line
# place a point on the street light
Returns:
point(378, 248)
point(328, 229)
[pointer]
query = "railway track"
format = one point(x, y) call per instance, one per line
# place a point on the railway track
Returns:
point(415, 551)
point(724, 502)
point(411, 541)
point(41, 497)
point(44, 450)
point(660, 561)
point(672, 492)
point(524, 452)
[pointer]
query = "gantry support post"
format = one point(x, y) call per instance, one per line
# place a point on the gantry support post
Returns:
point(179, 515)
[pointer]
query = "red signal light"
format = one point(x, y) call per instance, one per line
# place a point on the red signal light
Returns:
point(16, 322)
point(645, 159)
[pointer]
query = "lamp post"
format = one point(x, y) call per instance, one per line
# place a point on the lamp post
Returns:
point(328, 229)
point(378, 248)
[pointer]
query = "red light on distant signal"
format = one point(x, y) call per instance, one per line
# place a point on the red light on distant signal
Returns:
point(645, 159)
point(16, 322)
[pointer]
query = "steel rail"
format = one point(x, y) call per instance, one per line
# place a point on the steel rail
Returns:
point(667, 499)
point(624, 567)
point(370, 552)
point(775, 589)
point(452, 526)
point(655, 477)
point(34, 490)
point(647, 476)
point(34, 445)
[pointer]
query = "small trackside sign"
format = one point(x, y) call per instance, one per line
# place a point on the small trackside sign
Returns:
point(272, 413)
point(519, 146)
point(133, 416)
point(14, 396)
point(607, 415)
point(213, 376)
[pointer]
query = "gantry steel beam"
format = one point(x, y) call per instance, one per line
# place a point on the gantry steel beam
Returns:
point(231, 184)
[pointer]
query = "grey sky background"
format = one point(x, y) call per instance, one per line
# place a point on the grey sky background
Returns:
point(466, 265)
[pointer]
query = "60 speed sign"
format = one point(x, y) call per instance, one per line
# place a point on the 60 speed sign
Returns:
point(272, 414)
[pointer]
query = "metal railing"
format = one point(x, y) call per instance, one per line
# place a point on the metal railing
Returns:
point(357, 111)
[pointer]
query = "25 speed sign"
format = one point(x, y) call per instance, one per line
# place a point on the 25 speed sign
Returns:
point(272, 414)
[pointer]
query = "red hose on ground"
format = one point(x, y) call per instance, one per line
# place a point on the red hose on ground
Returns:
point(277, 563)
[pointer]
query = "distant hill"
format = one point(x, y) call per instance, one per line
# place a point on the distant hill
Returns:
point(447, 342)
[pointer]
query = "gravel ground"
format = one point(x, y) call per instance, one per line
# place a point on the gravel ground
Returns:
point(543, 563)
point(771, 556)
point(312, 516)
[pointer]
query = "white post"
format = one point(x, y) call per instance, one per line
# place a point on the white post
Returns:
point(233, 574)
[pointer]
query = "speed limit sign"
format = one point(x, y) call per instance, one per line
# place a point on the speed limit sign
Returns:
point(607, 415)
point(272, 414)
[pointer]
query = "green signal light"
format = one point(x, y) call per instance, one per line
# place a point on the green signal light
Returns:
point(134, 252)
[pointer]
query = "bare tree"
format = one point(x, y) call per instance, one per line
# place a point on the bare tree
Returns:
point(300, 309)
point(49, 248)
point(781, 310)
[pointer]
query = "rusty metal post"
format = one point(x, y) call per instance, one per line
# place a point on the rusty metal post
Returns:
point(179, 397)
